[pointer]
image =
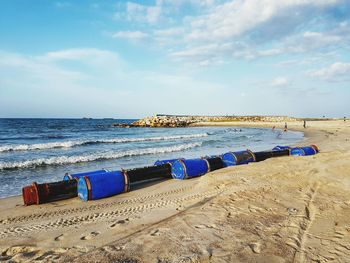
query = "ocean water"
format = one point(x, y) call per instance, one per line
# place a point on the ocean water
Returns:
point(43, 150)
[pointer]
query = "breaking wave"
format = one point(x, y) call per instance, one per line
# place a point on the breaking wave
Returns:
point(60, 160)
point(69, 144)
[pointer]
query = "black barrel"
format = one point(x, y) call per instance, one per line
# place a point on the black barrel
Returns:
point(49, 192)
point(238, 158)
point(261, 156)
point(215, 163)
point(149, 172)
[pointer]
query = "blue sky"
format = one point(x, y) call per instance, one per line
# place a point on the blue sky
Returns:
point(129, 59)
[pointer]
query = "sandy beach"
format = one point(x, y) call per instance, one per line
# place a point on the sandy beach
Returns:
point(287, 209)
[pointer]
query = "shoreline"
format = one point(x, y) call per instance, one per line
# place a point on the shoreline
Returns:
point(208, 124)
point(189, 142)
point(287, 209)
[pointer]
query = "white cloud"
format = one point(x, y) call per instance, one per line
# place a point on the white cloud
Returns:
point(68, 82)
point(309, 59)
point(161, 13)
point(79, 54)
point(254, 29)
point(143, 13)
point(320, 37)
point(237, 29)
point(196, 3)
point(198, 51)
point(63, 69)
point(334, 73)
point(318, 43)
point(311, 41)
point(169, 38)
point(131, 35)
point(280, 82)
point(251, 53)
point(169, 32)
point(234, 18)
point(36, 67)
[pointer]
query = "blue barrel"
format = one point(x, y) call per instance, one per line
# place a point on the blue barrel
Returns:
point(68, 176)
point(303, 151)
point(280, 147)
point(171, 161)
point(99, 186)
point(309, 150)
point(184, 169)
point(237, 158)
point(298, 151)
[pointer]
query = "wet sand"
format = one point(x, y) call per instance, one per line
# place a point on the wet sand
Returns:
point(287, 209)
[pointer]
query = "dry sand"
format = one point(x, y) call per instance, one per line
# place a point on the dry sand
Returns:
point(287, 209)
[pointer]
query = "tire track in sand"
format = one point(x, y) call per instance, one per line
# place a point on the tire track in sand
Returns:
point(103, 216)
point(90, 208)
point(304, 224)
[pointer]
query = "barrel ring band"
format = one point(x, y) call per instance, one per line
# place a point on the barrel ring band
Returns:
point(88, 185)
point(252, 154)
point(35, 185)
point(234, 156)
point(185, 170)
point(208, 165)
point(126, 181)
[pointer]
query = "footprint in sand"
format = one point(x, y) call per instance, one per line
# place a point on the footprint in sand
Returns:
point(200, 226)
point(59, 238)
point(50, 256)
point(255, 247)
point(155, 233)
point(119, 222)
point(112, 248)
point(205, 226)
point(18, 254)
point(292, 210)
point(12, 251)
point(90, 236)
point(158, 232)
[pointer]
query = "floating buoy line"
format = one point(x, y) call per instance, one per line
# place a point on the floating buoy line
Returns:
point(103, 183)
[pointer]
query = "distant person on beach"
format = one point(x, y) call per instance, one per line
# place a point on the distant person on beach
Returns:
point(285, 127)
point(273, 128)
point(344, 118)
point(304, 125)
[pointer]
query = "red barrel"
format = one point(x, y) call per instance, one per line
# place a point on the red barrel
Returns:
point(30, 195)
point(49, 192)
point(315, 147)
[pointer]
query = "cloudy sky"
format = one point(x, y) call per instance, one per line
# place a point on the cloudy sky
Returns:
point(128, 59)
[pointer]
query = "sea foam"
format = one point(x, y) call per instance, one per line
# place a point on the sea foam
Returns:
point(69, 144)
point(60, 160)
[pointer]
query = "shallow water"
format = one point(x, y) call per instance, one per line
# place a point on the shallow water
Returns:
point(43, 150)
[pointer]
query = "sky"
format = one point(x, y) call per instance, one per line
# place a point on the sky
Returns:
point(130, 59)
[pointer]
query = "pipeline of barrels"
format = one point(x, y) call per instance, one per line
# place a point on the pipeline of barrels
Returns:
point(104, 183)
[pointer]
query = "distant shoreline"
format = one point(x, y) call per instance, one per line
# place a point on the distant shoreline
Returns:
point(173, 121)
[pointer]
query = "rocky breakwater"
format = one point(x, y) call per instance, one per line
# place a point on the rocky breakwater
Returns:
point(164, 121)
point(172, 121)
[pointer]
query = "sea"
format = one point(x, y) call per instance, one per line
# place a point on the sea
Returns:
point(43, 150)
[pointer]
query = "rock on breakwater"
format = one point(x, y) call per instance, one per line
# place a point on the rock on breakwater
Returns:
point(173, 121)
